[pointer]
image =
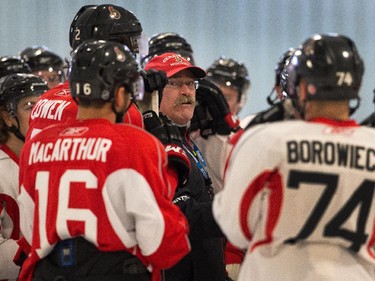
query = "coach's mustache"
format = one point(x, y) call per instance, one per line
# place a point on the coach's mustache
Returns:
point(184, 100)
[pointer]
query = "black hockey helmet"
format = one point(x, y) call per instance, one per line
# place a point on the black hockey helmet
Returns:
point(14, 87)
point(281, 63)
point(229, 72)
point(13, 64)
point(99, 67)
point(331, 66)
point(42, 58)
point(166, 42)
point(106, 22)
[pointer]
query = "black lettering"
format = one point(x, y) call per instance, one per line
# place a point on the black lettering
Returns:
point(358, 150)
point(329, 153)
point(352, 156)
point(292, 151)
point(342, 154)
point(305, 152)
point(317, 152)
point(369, 156)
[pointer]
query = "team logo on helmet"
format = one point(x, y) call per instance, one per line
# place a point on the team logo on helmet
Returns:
point(120, 56)
point(113, 13)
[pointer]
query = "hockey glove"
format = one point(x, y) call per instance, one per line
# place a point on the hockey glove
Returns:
point(169, 134)
point(201, 121)
point(154, 80)
point(219, 119)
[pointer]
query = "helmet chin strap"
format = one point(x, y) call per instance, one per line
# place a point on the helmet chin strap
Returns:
point(15, 130)
point(353, 109)
point(270, 100)
point(120, 114)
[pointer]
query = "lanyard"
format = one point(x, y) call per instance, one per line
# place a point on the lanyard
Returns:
point(196, 154)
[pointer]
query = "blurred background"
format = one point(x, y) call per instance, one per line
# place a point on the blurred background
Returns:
point(255, 32)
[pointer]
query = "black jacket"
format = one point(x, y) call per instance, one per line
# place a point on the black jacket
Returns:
point(205, 262)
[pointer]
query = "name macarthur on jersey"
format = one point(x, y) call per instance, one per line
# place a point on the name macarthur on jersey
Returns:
point(70, 149)
point(330, 153)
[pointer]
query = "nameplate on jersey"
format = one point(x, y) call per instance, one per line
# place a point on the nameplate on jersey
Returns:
point(70, 149)
point(331, 154)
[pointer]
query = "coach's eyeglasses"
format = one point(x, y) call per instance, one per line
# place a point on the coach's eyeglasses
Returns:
point(192, 85)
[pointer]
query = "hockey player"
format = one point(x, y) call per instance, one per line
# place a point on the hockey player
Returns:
point(279, 67)
point(206, 261)
point(102, 22)
point(299, 194)
point(165, 42)
point(281, 108)
point(13, 64)
point(45, 63)
point(233, 79)
point(229, 78)
point(18, 94)
point(95, 198)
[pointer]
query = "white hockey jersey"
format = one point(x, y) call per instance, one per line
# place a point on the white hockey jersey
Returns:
point(9, 213)
point(299, 197)
point(215, 149)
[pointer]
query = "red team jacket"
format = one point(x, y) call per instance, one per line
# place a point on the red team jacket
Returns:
point(107, 183)
point(300, 198)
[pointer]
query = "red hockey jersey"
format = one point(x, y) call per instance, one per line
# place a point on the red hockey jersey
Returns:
point(108, 183)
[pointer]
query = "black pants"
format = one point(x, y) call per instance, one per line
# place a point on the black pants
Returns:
point(78, 260)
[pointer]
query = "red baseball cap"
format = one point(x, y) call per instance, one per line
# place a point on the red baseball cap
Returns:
point(172, 63)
